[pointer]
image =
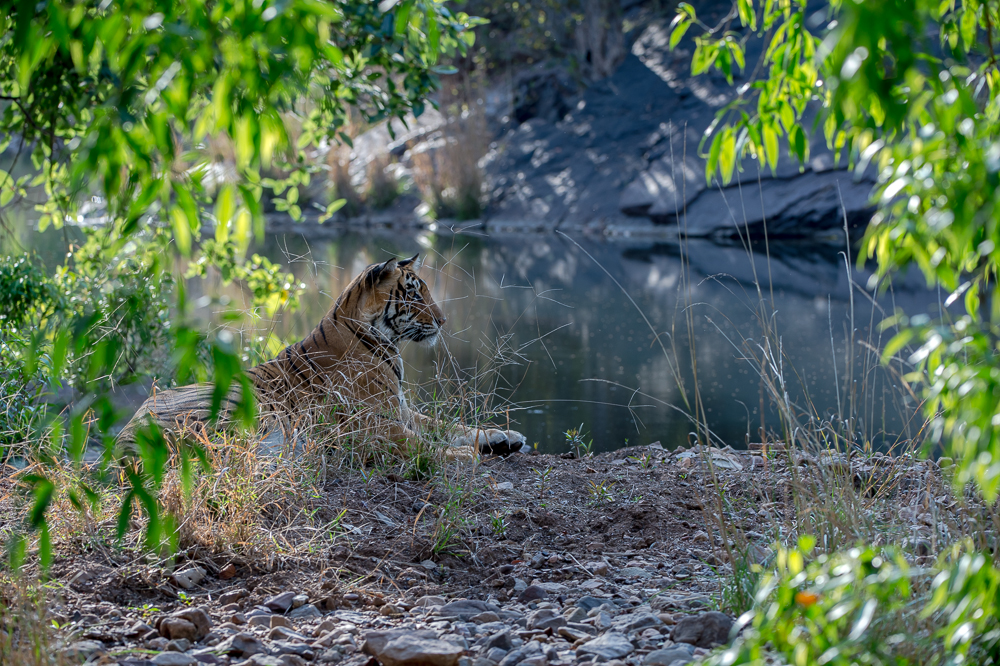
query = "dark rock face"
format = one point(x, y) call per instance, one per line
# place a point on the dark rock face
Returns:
point(705, 630)
point(546, 94)
point(626, 153)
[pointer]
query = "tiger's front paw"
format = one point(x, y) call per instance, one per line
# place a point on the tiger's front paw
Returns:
point(493, 442)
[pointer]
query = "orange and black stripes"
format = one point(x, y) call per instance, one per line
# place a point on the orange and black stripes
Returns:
point(353, 353)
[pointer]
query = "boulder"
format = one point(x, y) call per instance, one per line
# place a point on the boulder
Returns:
point(665, 188)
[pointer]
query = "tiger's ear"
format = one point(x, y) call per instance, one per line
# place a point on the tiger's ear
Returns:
point(385, 272)
point(413, 262)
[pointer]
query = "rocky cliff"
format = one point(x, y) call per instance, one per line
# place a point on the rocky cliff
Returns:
point(623, 157)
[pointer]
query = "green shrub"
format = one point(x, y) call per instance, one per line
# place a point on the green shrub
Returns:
point(869, 606)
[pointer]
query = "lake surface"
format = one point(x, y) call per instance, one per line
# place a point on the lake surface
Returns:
point(581, 332)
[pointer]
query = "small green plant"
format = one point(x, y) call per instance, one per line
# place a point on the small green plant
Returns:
point(600, 492)
point(498, 524)
point(543, 480)
point(450, 521)
point(575, 439)
point(420, 464)
point(645, 461)
point(738, 588)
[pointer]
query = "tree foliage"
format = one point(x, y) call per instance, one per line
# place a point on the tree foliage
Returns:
point(909, 88)
point(117, 103)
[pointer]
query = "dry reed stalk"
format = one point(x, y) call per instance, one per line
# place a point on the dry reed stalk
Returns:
point(447, 171)
point(383, 189)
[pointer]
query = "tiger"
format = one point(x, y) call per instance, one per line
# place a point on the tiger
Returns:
point(350, 360)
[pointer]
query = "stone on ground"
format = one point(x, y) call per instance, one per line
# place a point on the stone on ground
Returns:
point(611, 645)
point(669, 656)
point(412, 650)
point(174, 659)
point(704, 630)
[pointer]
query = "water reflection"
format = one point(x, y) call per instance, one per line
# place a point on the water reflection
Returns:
point(581, 350)
point(578, 350)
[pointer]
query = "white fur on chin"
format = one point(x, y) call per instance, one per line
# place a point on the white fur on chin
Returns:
point(431, 341)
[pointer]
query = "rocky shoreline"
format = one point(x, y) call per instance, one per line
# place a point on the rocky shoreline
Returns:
point(614, 558)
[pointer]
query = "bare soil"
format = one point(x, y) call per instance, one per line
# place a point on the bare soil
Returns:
point(634, 527)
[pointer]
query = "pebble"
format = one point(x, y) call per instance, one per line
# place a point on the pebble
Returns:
point(306, 612)
point(189, 578)
point(634, 572)
point(409, 649)
point(427, 601)
point(669, 657)
point(589, 603)
point(705, 630)
point(608, 646)
point(179, 645)
point(532, 593)
point(546, 618)
point(174, 659)
point(241, 645)
point(280, 603)
point(82, 650)
point(485, 617)
point(231, 597)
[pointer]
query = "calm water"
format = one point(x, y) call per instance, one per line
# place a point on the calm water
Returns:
point(545, 325)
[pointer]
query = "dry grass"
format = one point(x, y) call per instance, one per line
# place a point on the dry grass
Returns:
point(447, 171)
point(27, 636)
point(383, 189)
point(338, 162)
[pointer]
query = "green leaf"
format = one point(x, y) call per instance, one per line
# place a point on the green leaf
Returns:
point(770, 145)
point(678, 31)
point(182, 230)
point(403, 17)
point(727, 155)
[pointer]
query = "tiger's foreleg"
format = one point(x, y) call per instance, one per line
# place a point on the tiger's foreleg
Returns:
point(490, 441)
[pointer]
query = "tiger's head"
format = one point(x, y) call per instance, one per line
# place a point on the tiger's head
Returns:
point(400, 305)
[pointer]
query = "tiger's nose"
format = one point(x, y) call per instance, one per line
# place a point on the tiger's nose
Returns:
point(439, 316)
